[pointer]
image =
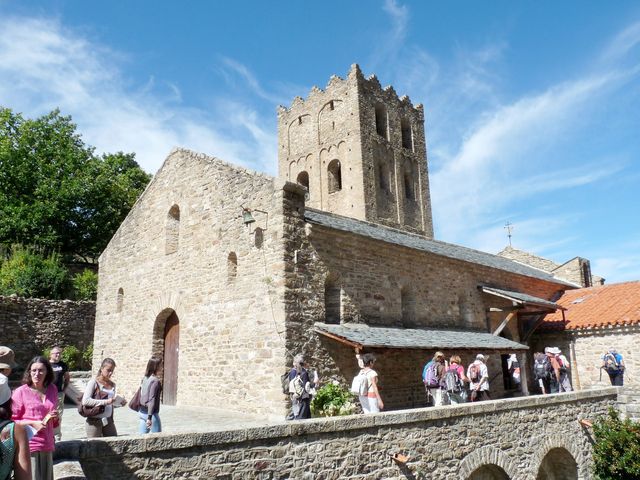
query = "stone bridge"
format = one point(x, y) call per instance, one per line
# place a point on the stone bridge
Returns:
point(522, 438)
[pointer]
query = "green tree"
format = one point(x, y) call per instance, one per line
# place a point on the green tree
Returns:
point(616, 453)
point(85, 285)
point(55, 192)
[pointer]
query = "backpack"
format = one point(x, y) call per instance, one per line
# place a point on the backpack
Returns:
point(296, 386)
point(430, 375)
point(611, 363)
point(360, 384)
point(474, 372)
point(451, 381)
point(542, 369)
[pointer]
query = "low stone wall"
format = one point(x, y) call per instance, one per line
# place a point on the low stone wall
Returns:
point(514, 437)
point(29, 325)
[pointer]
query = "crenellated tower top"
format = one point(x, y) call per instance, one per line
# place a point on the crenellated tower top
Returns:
point(360, 151)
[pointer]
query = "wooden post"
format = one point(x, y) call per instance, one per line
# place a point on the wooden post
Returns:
point(504, 322)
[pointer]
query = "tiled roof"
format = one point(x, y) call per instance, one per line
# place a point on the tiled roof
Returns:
point(436, 247)
point(520, 298)
point(593, 307)
point(428, 339)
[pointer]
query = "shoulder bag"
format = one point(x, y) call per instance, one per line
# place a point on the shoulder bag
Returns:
point(87, 411)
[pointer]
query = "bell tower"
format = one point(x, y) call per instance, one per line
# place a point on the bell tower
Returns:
point(360, 151)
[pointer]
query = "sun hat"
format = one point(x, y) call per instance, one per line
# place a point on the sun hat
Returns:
point(480, 357)
point(554, 350)
point(5, 391)
point(7, 357)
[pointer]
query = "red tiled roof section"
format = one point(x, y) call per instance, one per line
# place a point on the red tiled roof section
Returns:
point(601, 306)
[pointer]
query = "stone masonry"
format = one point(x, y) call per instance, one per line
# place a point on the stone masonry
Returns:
point(519, 439)
point(244, 293)
point(29, 325)
point(585, 347)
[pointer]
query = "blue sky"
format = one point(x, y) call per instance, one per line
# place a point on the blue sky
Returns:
point(532, 108)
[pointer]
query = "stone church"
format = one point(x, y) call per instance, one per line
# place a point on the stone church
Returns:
point(227, 273)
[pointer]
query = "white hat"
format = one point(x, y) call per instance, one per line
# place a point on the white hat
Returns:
point(480, 357)
point(7, 359)
point(554, 350)
point(5, 391)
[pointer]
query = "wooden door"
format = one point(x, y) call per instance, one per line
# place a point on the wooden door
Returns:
point(170, 360)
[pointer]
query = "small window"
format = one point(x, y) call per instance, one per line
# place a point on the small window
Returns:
point(303, 179)
point(381, 121)
point(232, 266)
point(407, 136)
point(119, 300)
point(172, 230)
point(332, 303)
point(331, 105)
point(335, 176)
point(408, 186)
point(258, 237)
point(408, 305)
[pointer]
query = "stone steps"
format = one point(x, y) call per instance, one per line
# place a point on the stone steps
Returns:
point(77, 384)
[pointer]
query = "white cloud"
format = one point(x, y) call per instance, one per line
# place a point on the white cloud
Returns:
point(44, 66)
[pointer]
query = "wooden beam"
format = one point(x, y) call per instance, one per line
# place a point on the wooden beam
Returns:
point(504, 323)
point(339, 339)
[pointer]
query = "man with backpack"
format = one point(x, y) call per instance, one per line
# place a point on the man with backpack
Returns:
point(453, 381)
point(432, 375)
point(541, 371)
point(613, 363)
point(479, 379)
point(554, 369)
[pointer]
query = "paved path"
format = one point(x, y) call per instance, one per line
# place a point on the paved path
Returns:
point(174, 420)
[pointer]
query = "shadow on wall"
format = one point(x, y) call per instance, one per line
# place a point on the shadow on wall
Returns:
point(103, 462)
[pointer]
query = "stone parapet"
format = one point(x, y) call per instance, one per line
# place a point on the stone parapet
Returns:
point(515, 435)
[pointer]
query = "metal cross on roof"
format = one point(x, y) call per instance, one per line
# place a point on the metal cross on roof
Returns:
point(509, 227)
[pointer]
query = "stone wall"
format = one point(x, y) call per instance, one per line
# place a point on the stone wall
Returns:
point(373, 278)
point(584, 348)
point(29, 325)
point(534, 437)
point(221, 278)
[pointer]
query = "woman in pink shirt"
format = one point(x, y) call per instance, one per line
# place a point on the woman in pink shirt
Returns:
point(34, 404)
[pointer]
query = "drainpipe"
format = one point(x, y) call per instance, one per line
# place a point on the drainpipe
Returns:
point(524, 380)
point(574, 364)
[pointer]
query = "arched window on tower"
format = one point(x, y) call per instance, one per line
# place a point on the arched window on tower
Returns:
point(172, 230)
point(383, 176)
point(303, 179)
point(407, 134)
point(381, 122)
point(335, 176)
point(408, 303)
point(409, 182)
point(232, 266)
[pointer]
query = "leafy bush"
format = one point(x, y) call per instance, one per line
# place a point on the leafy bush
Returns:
point(28, 273)
point(71, 356)
point(616, 453)
point(85, 285)
point(87, 357)
point(332, 400)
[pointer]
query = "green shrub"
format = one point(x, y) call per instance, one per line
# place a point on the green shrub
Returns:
point(28, 273)
point(71, 356)
point(332, 400)
point(616, 453)
point(85, 285)
point(87, 357)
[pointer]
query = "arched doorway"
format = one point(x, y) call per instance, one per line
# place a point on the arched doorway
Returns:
point(488, 472)
point(166, 337)
point(558, 464)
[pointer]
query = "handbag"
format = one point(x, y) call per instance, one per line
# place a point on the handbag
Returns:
point(86, 411)
point(134, 403)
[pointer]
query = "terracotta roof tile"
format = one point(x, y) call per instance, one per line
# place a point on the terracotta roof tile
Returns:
point(606, 305)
